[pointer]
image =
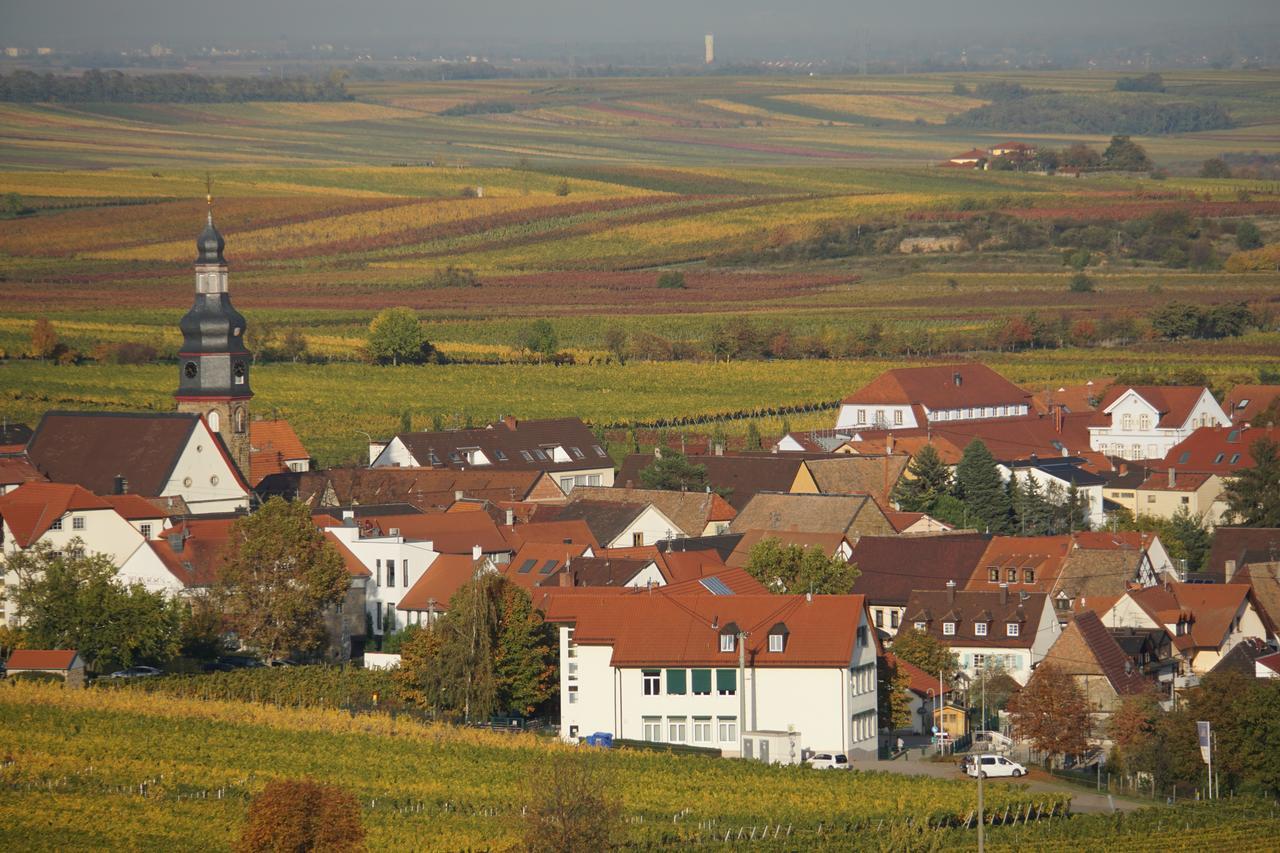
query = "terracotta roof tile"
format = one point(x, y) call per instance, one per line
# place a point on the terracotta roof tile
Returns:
point(691, 511)
point(850, 515)
point(933, 607)
point(1113, 662)
point(892, 566)
point(447, 574)
point(1247, 402)
point(21, 659)
point(1217, 450)
point(740, 477)
point(16, 470)
point(194, 550)
point(947, 386)
point(30, 510)
point(273, 443)
point(539, 562)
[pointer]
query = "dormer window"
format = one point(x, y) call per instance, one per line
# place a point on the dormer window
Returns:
point(980, 629)
point(949, 629)
point(729, 637)
point(920, 626)
point(993, 574)
point(1011, 629)
point(778, 638)
point(1013, 576)
point(1028, 575)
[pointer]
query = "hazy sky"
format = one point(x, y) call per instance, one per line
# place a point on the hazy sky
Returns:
point(193, 22)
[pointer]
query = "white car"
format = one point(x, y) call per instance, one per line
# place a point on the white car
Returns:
point(995, 765)
point(829, 761)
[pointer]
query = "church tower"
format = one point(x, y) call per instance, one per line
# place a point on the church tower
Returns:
point(213, 363)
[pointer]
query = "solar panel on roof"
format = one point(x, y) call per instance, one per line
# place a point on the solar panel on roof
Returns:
point(548, 567)
point(527, 566)
point(715, 586)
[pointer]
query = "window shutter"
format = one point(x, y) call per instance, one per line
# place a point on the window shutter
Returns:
point(675, 681)
point(726, 679)
point(702, 681)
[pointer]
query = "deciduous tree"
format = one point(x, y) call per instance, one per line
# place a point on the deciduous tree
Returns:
point(539, 339)
point(925, 651)
point(1051, 712)
point(77, 601)
point(570, 808)
point(793, 569)
point(396, 336)
point(673, 472)
point(280, 578)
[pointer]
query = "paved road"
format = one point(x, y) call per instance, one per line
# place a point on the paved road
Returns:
point(1082, 800)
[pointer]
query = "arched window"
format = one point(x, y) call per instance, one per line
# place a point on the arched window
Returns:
point(240, 424)
point(215, 422)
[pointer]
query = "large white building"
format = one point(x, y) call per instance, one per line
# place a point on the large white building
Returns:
point(711, 670)
point(914, 397)
point(1145, 422)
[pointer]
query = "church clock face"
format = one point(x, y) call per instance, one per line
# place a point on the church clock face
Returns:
point(239, 372)
point(190, 369)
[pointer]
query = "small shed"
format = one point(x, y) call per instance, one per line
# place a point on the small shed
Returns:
point(952, 720)
point(772, 747)
point(63, 662)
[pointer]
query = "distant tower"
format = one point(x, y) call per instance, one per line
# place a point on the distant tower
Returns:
point(213, 372)
point(709, 42)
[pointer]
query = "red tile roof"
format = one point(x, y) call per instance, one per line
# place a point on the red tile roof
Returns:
point(40, 659)
point(1271, 662)
point(203, 550)
point(549, 532)
point(1173, 402)
point(938, 388)
point(451, 533)
point(738, 581)
point(1077, 398)
point(1006, 438)
point(30, 510)
point(1246, 402)
point(1125, 679)
point(918, 681)
point(134, 507)
point(1212, 607)
point(966, 608)
point(536, 562)
point(15, 470)
point(350, 561)
point(1044, 555)
point(1218, 450)
point(655, 629)
point(892, 566)
point(447, 574)
point(1183, 481)
point(272, 444)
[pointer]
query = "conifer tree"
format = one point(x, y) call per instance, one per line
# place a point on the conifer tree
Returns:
point(928, 479)
point(1253, 495)
point(979, 485)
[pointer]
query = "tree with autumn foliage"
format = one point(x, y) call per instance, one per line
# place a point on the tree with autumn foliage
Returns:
point(926, 652)
point(794, 569)
point(571, 808)
point(1132, 729)
point(1051, 712)
point(280, 578)
point(301, 814)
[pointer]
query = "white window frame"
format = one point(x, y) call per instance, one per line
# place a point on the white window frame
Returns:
point(1011, 629)
point(727, 642)
point(677, 729)
point(776, 642)
point(652, 729)
point(702, 730)
point(77, 522)
point(980, 629)
point(948, 629)
point(727, 729)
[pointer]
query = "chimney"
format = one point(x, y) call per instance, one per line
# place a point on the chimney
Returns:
point(119, 485)
point(888, 444)
point(459, 495)
point(1004, 594)
point(1173, 477)
point(1230, 567)
point(957, 379)
point(510, 422)
point(476, 552)
point(511, 517)
point(718, 448)
point(951, 592)
point(1058, 417)
point(566, 579)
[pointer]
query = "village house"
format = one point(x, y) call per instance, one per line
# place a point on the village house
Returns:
point(153, 455)
point(892, 567)
point(1144, 422)
point(1004, 629)
point(1059, 477)
point(851, 516)
point(711, 669)
point(617, 524)
point(66, 663)
point(274, 448)
point(1246, 403)
point(1224, 451)
point(424, 488)
point(1087, 652)
point(830, 544)
point(16, 471)
point(692, 513)
point(562, 447)
point(1165, 493)
point(913, 397)
point(1204, 621)
point(737, 477)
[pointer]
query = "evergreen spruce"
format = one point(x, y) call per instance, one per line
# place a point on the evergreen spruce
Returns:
point(979, 485)
point(928, 479)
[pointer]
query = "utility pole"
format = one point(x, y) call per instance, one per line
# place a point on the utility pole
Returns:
point(742, 690)
point(982, 844)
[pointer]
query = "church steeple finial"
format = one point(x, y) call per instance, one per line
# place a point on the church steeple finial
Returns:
point(208, 197)
point(209, 244)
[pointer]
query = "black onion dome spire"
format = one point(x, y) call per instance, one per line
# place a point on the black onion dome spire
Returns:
point(209, 244)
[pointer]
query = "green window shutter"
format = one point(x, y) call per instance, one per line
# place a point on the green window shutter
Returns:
point(702, 681)
point(675, 681)
point(726, 679)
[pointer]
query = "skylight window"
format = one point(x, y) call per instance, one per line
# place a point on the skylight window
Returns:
point(500, 454)
point(454, 457)
point(1185, 457)
point(524, 454)
point(577, 454)
point(715, 586)
point(539, 455)
point(548, 567)
point(1235, 457)
point(1218, 459)
point(600, 451)
point(527, 566)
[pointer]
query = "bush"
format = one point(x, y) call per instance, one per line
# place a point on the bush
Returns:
point(672, 280)
point(301, 814)
point(286, 686)
point(1248, 236)
point(1215, 167)
point(1081, 283)
point(570, 809)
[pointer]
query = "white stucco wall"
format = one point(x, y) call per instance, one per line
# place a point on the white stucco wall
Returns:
point(1126, 436)
point(374, 553)
point(876, 416)
point(204, 478)
point(652, 524)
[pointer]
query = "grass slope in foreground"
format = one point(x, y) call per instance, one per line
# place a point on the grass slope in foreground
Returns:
point(76, 765)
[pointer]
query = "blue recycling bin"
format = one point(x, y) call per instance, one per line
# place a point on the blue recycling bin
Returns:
point(601, 739)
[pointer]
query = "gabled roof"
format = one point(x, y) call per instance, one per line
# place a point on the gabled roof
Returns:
point(934, 607)
point(1183, 481)
point(580, 572)
point(738, 477)
point(1242, 657)
point(16, 470)
point(1246, 402)
point(135, 507)
point(538, 562)
point(918, 681)
point(848, 474)
point(1111, 660)
point(1090, 572)
point(30, 510)
point(827, 543)
point(423, 487)
point(607, 519)
point(512, 439)
point(1271, 662)
point(1006, 438)
point(350, 561)
point(1218, 450)
point(721, 581)
point(1174, 403)
point(1044, 555)
point(1242, 545)
point(1076, 398)
point(40, 659)
point(691, 511)
point(194, 550)
point(1212, 607)
point(447, 574)
point(449, 533)
point(948, 386)
point(850, 515)
point(652, 628)
point(570, 530)
point(272, 444)
point(1264, 579)
point(92, 448)
point(893, 566)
